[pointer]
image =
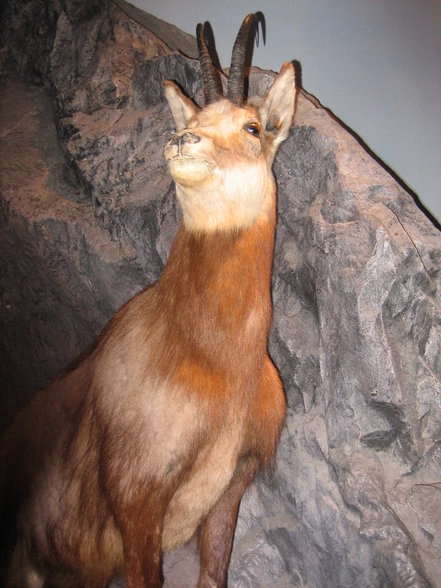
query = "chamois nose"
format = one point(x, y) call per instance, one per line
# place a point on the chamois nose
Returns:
point(184, 138)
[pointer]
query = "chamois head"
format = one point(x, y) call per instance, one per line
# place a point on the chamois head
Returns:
point(221, 155)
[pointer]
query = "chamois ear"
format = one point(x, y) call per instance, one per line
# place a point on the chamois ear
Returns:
point(182, 108)
point(277, 110)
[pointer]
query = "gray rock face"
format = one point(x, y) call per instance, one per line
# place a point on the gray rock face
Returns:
point(88, 215)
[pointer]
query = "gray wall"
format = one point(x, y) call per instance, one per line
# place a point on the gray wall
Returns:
point(375, 63)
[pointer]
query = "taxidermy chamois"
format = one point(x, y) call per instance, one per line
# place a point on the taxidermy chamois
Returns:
point(156, 432)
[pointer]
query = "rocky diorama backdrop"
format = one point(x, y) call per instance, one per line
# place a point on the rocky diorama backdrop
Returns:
point(88, 214)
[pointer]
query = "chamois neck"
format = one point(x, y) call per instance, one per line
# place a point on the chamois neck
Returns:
point(203, 260)
point(215, 289)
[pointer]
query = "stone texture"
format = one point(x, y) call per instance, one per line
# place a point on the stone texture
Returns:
point(88, 214)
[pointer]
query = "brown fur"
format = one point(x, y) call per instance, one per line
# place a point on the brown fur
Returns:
point(157, 431)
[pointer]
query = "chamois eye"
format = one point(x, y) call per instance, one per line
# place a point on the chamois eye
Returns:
point(253, 128)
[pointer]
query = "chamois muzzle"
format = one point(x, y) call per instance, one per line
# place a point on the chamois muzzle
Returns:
point(184, 138)
point(176, 144)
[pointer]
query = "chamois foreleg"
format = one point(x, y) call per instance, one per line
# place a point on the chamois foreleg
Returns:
point(217, 530)
point(141, 525)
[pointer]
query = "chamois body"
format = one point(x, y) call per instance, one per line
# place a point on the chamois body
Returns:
point(156, 432)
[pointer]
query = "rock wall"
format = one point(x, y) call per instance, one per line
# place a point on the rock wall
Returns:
point(88, 215)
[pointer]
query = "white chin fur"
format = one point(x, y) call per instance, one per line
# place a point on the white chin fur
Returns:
point(190, 171)
point(229, 201)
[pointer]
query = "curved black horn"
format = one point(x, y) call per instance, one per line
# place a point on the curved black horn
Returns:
point(210, 77)
point(247, 32)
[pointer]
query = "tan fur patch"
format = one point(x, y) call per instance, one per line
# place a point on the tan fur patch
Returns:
point(195, 497)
